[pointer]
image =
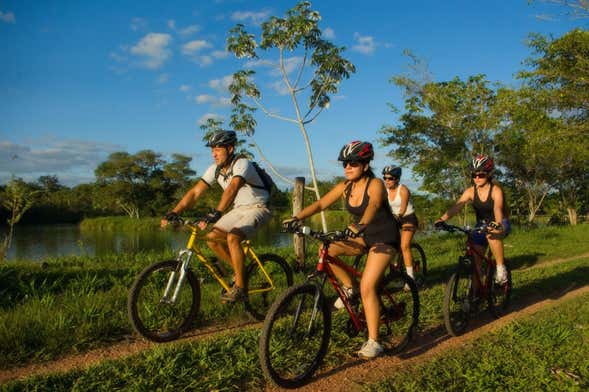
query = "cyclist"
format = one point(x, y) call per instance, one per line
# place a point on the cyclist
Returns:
point(241, 186)
point(487, 200)
point(374, 231)
point(399, 199)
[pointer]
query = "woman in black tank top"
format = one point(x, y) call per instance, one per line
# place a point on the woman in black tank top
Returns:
point(488, 204)
point(366, 200)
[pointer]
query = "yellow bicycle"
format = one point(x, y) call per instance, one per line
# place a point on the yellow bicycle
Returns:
point(162, 306)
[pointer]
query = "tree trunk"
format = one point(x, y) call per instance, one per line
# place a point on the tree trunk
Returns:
point(298, 197)
point(572, 212)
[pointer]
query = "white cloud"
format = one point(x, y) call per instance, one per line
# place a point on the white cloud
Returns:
point(184, 88)
point(364, 44)
point(205, 117)
point(328, 33)
point(172, 24)
point(219, 54)
point(212, 100)
point(221, 85)
point(255, 17)
point(204, 60)
point(163, 78)
point(154, 49)
point(138, 24)
point(189, 30)
point(193, 47)
point(73, 161)
point(7, 17)
point(280, 87)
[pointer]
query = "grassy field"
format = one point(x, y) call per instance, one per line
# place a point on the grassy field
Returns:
point(75, 304)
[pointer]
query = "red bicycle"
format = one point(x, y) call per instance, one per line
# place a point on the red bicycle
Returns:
point(297, 328)
point(470, 286)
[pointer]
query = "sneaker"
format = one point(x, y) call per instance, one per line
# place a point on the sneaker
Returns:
point(235, 294)
point(370, 349)
point(339, 304)
point(501, 275)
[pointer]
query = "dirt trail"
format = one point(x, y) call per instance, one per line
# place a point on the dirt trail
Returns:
point(355, 374)
point(349, 376)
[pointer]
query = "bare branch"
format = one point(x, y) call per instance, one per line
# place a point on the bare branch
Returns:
point(301, 71)
point(270, 114)
point(314, 117)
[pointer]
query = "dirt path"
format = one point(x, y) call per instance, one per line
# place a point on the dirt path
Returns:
point(348, 375)
point(355, 374)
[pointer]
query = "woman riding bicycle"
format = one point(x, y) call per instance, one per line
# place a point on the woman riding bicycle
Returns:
point(487, 200)
point(401, 205)
point(374, 230)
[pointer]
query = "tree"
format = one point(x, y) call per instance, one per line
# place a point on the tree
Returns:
point(444, 125)
point(560, 70)
point(320, 70)
point(17, 198)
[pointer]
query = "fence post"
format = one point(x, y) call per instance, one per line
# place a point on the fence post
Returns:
point(298, 197)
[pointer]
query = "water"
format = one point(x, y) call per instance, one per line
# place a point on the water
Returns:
point(36, 242)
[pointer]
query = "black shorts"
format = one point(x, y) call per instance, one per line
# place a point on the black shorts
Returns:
point(410, 219)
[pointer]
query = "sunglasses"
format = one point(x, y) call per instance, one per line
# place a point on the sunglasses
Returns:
point(390, 178)
point(351, 163)
point(480, 175)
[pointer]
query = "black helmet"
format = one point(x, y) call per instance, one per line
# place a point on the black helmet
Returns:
point(482, 163)
point(392, 170)
point(222, 138)
point(356, 151)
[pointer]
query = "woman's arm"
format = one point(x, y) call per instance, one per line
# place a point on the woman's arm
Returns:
point(328, 199)
point(497, 203)
point(467, 197)
point(405, 195)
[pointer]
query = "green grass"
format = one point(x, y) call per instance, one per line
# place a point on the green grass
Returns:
point(548, 351)
point(78, 303)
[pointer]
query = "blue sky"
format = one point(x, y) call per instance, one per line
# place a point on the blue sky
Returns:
point(80, 80)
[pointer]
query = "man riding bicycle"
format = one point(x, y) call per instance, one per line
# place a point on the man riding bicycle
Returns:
point(243, 187)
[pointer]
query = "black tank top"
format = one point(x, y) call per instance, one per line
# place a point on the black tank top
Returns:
point(383, 227)
point(484, 210)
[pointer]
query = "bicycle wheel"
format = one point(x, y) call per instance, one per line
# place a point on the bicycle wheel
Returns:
point(457, 302)
point(399, 311)
point(295, 336)
point(261, 294)
point(499, 294)
point(155, 317)
point(419, 264)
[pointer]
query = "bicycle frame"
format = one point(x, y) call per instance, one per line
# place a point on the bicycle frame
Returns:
point(186, 254)
point(472, 252)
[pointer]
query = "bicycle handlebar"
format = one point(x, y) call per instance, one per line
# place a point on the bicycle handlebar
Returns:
point(330, 236)
point(485, 226)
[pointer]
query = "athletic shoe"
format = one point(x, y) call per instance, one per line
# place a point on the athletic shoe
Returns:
point(339, 304)
point(370, 349)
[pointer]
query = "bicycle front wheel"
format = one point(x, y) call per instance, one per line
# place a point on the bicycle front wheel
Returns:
point(457, 302)
point(261, 291)
point(399, 311)
point(499, 293)
point(295, 336)
point(153, 312)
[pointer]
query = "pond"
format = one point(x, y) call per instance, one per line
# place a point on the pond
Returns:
point(36, 242)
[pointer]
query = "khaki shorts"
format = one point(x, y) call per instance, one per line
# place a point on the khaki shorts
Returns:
point(245, 219)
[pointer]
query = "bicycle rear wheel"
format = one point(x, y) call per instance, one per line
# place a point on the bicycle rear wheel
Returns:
point(261, 294)
point(419, 264)
point(295, 336)
point(457, 302)
point(399, 311)
point(156, 317)
point(499, 294)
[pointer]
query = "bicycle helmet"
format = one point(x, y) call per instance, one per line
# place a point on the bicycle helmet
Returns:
point(482, 163)
point(392, 171)
point(222, 138)
point(356, 151)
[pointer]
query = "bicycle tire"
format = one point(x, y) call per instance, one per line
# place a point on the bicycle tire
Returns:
point(156, 320)
point(499, 294)
point(399, 311)
point(257, 304)
point(295, 336)
point(457, 304)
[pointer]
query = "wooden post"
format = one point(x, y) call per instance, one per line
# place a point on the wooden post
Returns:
point(298, 197)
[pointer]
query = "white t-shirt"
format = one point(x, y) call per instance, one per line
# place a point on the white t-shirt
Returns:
point(247, 194)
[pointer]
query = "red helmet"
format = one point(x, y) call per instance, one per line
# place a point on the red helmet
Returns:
point(356, 151)
point(482, 163)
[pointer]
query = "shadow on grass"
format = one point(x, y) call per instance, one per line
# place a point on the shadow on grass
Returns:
point(523, 297)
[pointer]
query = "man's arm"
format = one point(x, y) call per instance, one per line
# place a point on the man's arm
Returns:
point(229, 193)
point(188, 199)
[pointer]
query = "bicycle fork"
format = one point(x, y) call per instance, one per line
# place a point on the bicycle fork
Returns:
point(183, 259)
